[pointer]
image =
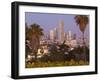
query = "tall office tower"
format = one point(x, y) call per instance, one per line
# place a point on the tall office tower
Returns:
point(69, 35)
point(65, 36)
point(61, 31)
point(52, 35)
point(56, 33)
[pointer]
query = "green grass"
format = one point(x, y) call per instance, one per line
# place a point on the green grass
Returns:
point(55, 64)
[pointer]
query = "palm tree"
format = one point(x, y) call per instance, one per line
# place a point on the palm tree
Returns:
point(28, 34)
point(37, 32)
point(82, 21)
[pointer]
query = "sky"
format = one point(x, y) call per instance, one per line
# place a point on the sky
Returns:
point(49, 21)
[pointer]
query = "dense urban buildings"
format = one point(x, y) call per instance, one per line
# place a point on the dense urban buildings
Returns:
point(58, 36)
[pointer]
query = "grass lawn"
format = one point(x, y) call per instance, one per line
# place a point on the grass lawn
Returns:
point(39, 64)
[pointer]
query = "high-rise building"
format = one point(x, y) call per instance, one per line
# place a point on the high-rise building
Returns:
point(66, 36)
point(52, 35)
point(56, 33)
point(69, 35)
point(61, 31)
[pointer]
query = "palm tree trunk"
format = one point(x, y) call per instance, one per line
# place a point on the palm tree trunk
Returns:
point(35, 56)
point(83, 38)
point(36, 47)
point(84, 49)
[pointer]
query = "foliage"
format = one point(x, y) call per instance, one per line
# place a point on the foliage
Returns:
point(33, 34)
point(82, 21)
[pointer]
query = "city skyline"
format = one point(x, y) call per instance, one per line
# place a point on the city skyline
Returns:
point(52, 39)
point(50, 21)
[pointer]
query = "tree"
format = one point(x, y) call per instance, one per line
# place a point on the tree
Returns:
point(28, 34)
point(37, 32)
point(82, 21)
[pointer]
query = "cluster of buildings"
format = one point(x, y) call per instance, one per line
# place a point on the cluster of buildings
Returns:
point(58, 35)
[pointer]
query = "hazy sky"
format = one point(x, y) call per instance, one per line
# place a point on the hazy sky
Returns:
point(50, 21)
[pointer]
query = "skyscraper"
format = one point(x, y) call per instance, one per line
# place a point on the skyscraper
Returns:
point(56, 33)
point(61, 31)
point(69, 35)
point(52, 35)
